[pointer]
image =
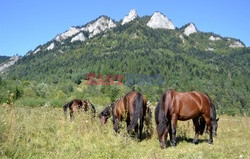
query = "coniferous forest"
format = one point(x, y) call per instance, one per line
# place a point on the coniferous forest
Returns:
point(53, 77)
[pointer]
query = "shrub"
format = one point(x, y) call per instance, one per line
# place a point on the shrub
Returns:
point(31, 101)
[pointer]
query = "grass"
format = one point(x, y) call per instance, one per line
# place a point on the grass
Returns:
point(43, 132)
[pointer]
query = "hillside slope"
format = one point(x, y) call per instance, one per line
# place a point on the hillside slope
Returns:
point(192, 61)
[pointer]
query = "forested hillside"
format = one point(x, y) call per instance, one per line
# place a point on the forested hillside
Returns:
point(185, 63)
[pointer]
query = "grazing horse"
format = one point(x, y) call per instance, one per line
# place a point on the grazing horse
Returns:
point(77, 105)
point(131, 107)
point(175, 106)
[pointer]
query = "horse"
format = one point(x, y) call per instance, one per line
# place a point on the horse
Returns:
point(78, 105)
point(184, 106)
point(131, 107)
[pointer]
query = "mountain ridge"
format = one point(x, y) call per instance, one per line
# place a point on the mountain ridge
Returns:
point(200, 61)
point(80, 27)
point(78, 35)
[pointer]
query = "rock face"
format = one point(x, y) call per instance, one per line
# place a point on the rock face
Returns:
point(213, 38)
point(9, 63)
point(158, 20)
point(72, 31)
point(51, 46)
point(98, 26)
point(37, 50)
point(104, 23)
point(78, 37)
point(236, 44)
point(209, 49)
point(94, 28)
point(182, 39)
point(130, 17)
point(190, 29)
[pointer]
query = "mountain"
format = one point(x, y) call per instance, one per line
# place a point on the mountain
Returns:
point(186, 58)
point(130, 17)
point(77, 33)
point(190, 29)
point(158, 20)
point(6, 62)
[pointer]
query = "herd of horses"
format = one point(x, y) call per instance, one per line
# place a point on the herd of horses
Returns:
point(172, 106)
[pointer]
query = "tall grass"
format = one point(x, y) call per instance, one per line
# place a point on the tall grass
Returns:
point(43, 132)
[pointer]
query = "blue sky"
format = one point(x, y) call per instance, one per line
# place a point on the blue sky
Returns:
point(25, 24)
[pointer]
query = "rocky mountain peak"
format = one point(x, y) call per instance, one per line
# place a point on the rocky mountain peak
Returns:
point(158, 20)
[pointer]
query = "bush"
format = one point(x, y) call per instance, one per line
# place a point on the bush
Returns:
point(57, 102)
point(31, 101)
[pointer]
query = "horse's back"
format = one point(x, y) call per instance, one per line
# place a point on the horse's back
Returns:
point(129, 100)
point(187, 105)
point(125, 104)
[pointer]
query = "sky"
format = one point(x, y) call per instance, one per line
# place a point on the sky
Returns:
point(25, 24)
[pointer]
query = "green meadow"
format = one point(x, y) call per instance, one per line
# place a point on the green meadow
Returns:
point(43, 132)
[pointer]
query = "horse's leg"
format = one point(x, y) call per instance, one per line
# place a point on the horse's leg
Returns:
point(71, 115)
point(141, 127)
point(209, 127)
point(173, 127)
point(116, 124)
point(135, 128)
point(164, 137)
point(196, 125)
point(129, 120)
point(136, 131)
point(170, 132)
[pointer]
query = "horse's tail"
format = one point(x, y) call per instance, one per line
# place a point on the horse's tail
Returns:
point(138, 110)
point(160, 117)
point(66, 106)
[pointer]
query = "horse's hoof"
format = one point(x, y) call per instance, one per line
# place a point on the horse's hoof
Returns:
point(173, 144)
point(195, 142)
point(210, 142)
point(163, 147)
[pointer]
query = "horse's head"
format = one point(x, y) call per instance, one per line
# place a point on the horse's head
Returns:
point(214, 124)
point(85, 105)
point(105, 114)
point(162, 124)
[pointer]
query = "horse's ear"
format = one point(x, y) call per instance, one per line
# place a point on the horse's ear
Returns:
point(217, 119)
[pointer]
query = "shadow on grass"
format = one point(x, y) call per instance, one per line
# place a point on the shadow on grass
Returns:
point(180, 139)
point(189, 140)
point(145, 136)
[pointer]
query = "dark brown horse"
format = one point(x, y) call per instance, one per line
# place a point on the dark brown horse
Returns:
point(78, 105)
point(175, 106)
point(131, 107)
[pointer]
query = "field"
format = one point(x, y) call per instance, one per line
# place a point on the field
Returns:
point(43, 132)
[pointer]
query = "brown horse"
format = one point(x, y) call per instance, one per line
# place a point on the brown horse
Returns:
point(78, 105)
point(131, 107)
point(175, 106)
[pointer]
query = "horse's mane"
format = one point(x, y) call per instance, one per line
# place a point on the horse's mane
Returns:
point(212, 108)
point(67, 105)
point(160, 118)
point(202, 122)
